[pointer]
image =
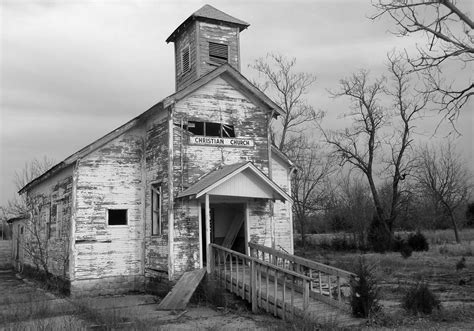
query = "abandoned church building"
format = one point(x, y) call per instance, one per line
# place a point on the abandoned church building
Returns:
point(145, 200)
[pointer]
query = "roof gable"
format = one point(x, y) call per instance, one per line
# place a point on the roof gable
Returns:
point(236, 79)
point(231, 179)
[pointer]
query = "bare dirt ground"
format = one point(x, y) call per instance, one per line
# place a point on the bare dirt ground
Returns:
point(25, 306)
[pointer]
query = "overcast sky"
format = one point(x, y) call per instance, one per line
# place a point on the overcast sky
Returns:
point(71, 71)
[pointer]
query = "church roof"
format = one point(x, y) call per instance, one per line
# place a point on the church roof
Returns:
point(226, 71)
point(208, 13)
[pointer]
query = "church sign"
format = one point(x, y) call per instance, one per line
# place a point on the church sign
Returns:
point(217, 141)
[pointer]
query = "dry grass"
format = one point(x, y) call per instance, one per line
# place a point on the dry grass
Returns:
point(454, 286)
point(462, 249)
point(440, 237)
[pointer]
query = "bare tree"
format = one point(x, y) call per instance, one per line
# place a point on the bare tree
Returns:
point(378, 130)
point(356, 205)
point(448, 31)
point(287, 87)
point(309, 182)
point(34, 208)
point(17, 205)
point(443, 177)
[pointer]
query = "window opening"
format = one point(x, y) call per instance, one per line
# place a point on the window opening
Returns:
point(211, 129)
point(185, 59)
point(46, 216)
point(156, 209)
point(196, 128)
point(228, 131)
point(117, 216)
point(59, 220)
point(218, 52)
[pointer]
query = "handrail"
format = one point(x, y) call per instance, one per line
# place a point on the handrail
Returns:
point(278, 290)
point(302, 261)
point(264, 263)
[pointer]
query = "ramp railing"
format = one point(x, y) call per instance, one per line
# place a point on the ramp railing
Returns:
point(327, 283)
point(279, 291)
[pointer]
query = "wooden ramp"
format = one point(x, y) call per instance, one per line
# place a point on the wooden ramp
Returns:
point(179, 296)
point(233, 231)
point(288, 287)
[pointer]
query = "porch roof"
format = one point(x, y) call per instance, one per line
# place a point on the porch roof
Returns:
point(240, 179)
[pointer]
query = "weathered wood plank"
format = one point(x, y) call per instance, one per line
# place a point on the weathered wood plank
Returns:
point(179, 296)
point(233, 231)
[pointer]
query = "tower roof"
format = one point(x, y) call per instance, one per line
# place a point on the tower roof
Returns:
point(211, 14)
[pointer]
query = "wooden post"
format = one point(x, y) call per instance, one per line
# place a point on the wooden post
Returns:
point(208, 231)
point(253, 286)
point(320, 283)
point(283, 306)
point(338, 288)
point(292, 299)
point(171, 259)
point(237, 275)
point(329, 286)
point(267, 287)
point(210, 259)
point(231, 272)
point(275, 294)
point(305, 294)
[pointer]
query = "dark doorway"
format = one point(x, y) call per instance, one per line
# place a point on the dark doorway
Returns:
point(227, 226)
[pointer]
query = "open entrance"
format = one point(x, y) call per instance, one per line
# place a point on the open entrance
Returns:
point(227, 226)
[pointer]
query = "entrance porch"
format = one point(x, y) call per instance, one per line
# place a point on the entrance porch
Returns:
point(235, 206)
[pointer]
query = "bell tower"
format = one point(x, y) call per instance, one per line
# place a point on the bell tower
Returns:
point(205, 40)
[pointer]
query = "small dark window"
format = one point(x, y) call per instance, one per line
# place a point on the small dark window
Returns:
point(156, 209)
point(218, 52)
point(185, 59)
point(117, 216)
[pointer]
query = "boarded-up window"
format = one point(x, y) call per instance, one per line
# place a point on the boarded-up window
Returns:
point(117, 216)
point(185, 59)
point(218, 52)
point(156, 210)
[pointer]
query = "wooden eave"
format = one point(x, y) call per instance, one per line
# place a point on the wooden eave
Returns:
point(282, 156)
point(198, 189)
point(228, 73)
point(17, 218)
